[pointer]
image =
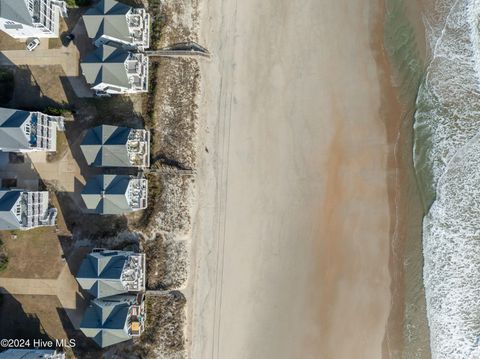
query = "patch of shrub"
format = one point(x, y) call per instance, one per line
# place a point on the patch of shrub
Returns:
point(164, 335)
point(57, 111)
point(3, 257)
point(76, 3)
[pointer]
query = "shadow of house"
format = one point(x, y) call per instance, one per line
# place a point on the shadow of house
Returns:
point(84, 347)
point(16, 323)
point(27, 94)
point(17, 171)
point(7, 85)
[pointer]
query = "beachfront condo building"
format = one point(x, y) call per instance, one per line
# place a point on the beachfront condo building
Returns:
point(25, 210)
point(104, 273)
point(31, 18)
point(113, 146)
point(115, 319)
point(115, 194)
point(110, 70)
point(24, 131)
point(116, 280)
point(113, 22)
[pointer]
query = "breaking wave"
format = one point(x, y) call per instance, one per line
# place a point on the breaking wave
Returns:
point(447, 162)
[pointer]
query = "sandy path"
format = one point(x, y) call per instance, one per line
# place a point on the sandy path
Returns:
point(292, 238)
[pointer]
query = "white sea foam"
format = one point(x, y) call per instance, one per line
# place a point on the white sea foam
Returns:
point(447, 131)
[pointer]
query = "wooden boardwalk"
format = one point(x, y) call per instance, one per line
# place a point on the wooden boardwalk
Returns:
point(187, 49)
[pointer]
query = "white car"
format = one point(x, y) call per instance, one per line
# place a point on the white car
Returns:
point(32, 45)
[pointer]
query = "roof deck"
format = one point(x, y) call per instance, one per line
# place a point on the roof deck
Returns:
point(133, 274)
point(34, 210)
point(45, 15)
point(138, 21)
point(42, 131)
point(136, 318)
point(138, 147)
point(136, 66)
point(137, 193)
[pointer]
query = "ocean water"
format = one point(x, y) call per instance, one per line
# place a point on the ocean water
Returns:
point(447, 164)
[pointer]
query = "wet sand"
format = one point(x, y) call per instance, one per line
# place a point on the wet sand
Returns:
point(297, 191)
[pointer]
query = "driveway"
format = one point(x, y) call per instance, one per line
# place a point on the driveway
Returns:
point(65, 287)
point(67, 57)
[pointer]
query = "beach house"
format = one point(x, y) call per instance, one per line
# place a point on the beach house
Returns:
point(115, 319)
point(115, 194)
point(24, 210)
point(104, 273)
point(31, 18)
point(24, 131)
point(113, 22)
point(113, 70)
point(112, 146)
point(116, 279)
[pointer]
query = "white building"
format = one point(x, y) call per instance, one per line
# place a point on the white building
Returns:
point(112, 21)
point(115, 319)
point(31, 18)
point(104, 272)
point(116, 279)
point(24, 131)
point(113, 146)
point(115, 194)
point(24, 210)
point(112, 70)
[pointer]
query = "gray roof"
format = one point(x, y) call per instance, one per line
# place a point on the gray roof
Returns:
point(106, 194)
point(8, 220)
point(108, 17)
point(100, 273)
point(106, 65)
point(16, 10)
point(104, 320)
point(106, 146)
point(11, 134)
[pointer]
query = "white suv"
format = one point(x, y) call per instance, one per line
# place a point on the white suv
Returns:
point(32, 45)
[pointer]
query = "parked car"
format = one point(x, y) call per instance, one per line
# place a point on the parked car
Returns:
point(68, 39)
point(32, 45)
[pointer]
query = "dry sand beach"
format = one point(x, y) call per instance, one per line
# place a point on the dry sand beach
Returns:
point(297, 183)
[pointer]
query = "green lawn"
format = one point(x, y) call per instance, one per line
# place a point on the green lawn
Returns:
point(3, 257)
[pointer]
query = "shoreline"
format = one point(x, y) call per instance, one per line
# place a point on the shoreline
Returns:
point(392, 111)
point(407, 323)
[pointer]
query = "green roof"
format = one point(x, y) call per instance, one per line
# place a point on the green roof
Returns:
point(100, 273)
point(108, 18)
point(106, 194)
point(106, 65)
point(106, 146)
point(105, 319)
